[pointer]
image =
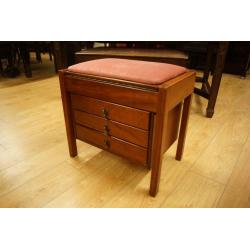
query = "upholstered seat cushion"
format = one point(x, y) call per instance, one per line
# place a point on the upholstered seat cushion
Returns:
point(131, 70)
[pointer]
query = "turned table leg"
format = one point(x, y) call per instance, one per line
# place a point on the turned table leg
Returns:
point(183, 127)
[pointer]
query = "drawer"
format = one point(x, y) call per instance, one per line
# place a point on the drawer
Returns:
point(112, 144)
point(109, 127)
point(126, 115)
point(141, 97)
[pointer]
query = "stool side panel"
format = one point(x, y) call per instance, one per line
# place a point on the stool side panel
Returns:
point(179, 91)
point(172, 127)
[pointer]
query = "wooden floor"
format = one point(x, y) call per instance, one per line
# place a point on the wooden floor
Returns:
point(36, 170)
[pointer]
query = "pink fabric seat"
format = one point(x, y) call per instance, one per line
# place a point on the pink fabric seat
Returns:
point(131, 70)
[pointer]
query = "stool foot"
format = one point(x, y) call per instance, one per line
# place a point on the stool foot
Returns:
point(73, 150)
point(210, 113)
point(155, 178)
point(153, 192)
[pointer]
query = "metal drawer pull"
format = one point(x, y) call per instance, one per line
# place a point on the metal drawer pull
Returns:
point(106, 129)
point(105, 113)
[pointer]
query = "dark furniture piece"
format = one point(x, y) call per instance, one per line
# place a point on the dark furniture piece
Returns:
point(8, 52)
point(215, 59)
point(127, 109)
point(38, 47)
point(17, 52)
point(154, 55)
point(238, 58)
point(64, 52)
point(25, 56)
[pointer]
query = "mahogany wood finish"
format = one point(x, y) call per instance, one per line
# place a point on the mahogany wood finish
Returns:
point(109, 127)
point(134, 120)
point(113, 144)
point(128, 150)
point(145, 99)
point(126, 115)
point(173, 126)
point(68, 117)
point(183, 128)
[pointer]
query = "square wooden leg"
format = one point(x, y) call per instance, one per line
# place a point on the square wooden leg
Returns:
point(68, 118)
point(156, 151)
point(183, 127)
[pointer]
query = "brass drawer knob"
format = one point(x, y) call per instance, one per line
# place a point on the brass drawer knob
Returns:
point(106, 130)
point(104, 113)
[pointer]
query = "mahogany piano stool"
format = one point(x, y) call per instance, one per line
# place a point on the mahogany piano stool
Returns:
point(128, 107)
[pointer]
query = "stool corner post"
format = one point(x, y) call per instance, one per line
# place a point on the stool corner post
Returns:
point(183, 127)
point(68, 116)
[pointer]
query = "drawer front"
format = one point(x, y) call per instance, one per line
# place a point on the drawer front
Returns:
point(109, 127)
point(130, 116)
point(132, 96)
point(128, 150)
point(91, 136)
point(112, 144)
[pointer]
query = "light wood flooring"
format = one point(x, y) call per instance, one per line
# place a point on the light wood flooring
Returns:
point(36, 170)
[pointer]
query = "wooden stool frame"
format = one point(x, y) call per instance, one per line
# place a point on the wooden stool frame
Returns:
point(163, 103)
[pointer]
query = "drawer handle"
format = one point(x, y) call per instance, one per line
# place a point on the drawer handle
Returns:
point(106, 129)
point(105, 113)
point(107, 143)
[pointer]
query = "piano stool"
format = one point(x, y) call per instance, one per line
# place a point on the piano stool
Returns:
point(135, 109)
